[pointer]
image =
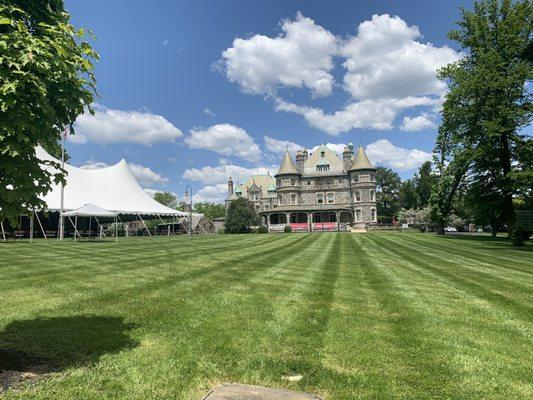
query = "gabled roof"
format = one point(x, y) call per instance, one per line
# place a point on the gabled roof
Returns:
point(287, 166)
point(361, 161)
point(264, 183)
point(329, 158)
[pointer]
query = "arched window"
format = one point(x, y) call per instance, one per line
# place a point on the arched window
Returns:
point(373, 214)
point(372, 195)
point(358, 215)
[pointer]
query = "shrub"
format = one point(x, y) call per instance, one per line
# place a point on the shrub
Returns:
point(287, 229)
point(262, 229)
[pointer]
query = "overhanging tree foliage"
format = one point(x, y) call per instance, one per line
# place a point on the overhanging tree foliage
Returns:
point(46, 81)
point(486, 108)
point(210, 210)
point(167, 199)
point(241, 216)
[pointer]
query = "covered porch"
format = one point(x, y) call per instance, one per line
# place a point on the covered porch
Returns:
point(308, 220)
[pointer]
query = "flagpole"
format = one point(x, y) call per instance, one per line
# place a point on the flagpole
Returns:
point(61, 205)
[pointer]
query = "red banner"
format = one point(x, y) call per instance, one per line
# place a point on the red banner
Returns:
point(300, 226)
point(326, 226)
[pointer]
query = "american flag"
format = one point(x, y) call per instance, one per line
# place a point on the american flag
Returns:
point(65, 132)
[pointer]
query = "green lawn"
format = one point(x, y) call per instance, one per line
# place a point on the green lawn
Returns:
point(377, 315)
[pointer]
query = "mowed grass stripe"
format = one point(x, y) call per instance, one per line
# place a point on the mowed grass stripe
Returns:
point(358, 316)
point(468, 280)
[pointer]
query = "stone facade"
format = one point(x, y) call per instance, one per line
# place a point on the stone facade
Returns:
point(318, 188)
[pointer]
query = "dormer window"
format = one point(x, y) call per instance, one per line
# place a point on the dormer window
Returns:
point(322, 154)
point(322, 168)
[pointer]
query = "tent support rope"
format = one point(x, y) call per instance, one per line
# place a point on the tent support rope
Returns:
point(3, 232)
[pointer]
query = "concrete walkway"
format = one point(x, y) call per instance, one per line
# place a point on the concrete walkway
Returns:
point(237, 391)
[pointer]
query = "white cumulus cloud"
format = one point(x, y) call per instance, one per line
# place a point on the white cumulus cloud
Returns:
point(225, 139)
point(117, 126)
point(219, 174)
point(369, 114)
point(278, 146)
point(418, 123)
point(300, 57)
point(384, 153)
point(212, 193)
point(384, 60)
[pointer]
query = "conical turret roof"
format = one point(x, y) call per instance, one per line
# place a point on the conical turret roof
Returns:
point(361, 161)
point(287, 166)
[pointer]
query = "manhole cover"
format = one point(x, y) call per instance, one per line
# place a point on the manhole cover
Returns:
point(237, 391)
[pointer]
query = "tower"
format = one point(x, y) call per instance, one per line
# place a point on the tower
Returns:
point(363, 189)
point(347, 158)
point(230, 187)
point(288, 182)
point(300, 161)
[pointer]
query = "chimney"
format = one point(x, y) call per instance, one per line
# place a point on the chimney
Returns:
point(305, 154)
point(300, 161)
point(347, 157)
point(230, 187)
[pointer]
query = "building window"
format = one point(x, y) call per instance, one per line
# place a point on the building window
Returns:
point(320, 198)
point(340, 180)
point(355, 178)
point(308, 182)
point(294, 198)
point(330, 197)
point(357, 195)
point(373, 177)
point(256, 196)
point(358, 216)
point(267, 206)
point(372, 195)
point(322, 168)
point(280, 200)
point(373, 214)
point(293, 182)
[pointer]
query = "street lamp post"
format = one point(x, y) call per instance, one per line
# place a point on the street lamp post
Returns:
point(188, 194)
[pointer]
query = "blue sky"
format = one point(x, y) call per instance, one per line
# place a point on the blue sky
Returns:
point(194, 91)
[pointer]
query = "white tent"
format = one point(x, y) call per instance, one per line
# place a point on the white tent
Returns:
point(112, 188)
point(90, 210)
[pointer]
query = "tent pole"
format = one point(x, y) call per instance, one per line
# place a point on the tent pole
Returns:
point(116, 230)
point(142, 220)
point(100, 227)
point(41, 225)
point(75, 227)
point(90, 226)
point(3, 232)
point(31, 225)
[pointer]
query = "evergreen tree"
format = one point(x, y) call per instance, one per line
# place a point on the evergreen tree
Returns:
point(388, 185)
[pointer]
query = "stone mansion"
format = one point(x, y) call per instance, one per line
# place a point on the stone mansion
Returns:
point(320, 191)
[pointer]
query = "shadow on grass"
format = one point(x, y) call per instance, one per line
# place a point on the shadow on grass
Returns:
point(57, 343)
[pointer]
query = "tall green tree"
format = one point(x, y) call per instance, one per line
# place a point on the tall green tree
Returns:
point(241, 216)
point(487, 106)
point(210, 210)
point(46, 81)
point(167, 199)
point(424, 181)
point(388, 185)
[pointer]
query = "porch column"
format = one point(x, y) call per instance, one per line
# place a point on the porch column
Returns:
point(338, 218)
point(268, 220)
point(310, 221)
point(288, 217)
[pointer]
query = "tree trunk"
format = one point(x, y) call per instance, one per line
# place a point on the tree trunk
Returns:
point(507, 186)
